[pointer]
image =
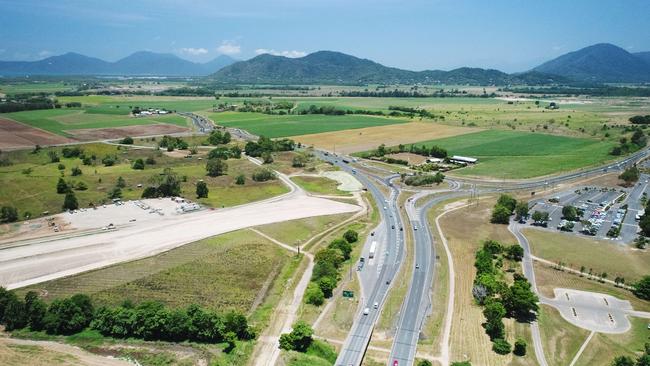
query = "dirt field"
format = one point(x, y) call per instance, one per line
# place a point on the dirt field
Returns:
point(91, 134)
point(15, 135)
point(363, 139)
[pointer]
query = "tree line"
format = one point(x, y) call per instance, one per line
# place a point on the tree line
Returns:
point(148, 320)
point(498, 299)
point(325, 276)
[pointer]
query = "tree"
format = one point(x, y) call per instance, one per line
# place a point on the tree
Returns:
point(54, 157)
point(351, 236)
point(267, 157)
point(216, 167)
point(520, 347)
point(623, 361)
point(109, 160)
point(299, 161)
point(507, 201)
point(62, 186)
point(330, 255)
point(644, 224)
point(327, 285)
point(500, 215)
point(630, 175)
point(569, 213)
point(70, 201)
point(424, 363)
point(501, 346)
point(343, 246)
point(15, 314)
point(230, 338)
point(219, 153)
point(299, 339)
point(201, 189)
point(127, 141)
point(494, 311)
point(138, 164)
point(36, 310)
point(115, 193)
point(515, 252)
point(540, 218)
point(8, 214)
point(76, 171)
point(121, 183)
point(642, 288)
point(150, 161)
point(314, 294)
point(520, 301)
point(521, 210)
point(68, 316)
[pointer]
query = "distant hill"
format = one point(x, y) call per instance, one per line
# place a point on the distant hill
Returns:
point(328, 67)
point(601, 62)
point(645, 56)
point(141, 63)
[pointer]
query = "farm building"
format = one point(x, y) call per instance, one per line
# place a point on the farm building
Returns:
point(463, 159)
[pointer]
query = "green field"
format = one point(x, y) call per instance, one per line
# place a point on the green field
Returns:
point(36, 192)
point(512, 155)
point(34, 87)
point(293, 125)
point(59, 121)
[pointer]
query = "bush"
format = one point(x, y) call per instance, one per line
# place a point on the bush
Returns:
point(109, 160)
point(62, 186)
point(267, 157)
point(500, 215)
point(520, 347)
point(150, 161)
point(507, 201)
point(201, 189)
point(68, 316)
point(263, 175)
point(61, 167)
point(240, 180)
point(8, 214)
point(642, 288)
point(299, 339)
point(54, 157)
point(299, 161)
point(76, 171)
point(127, 141)
point(424, 179)
point(138, 164)
point(501, 346)
point(81, 186)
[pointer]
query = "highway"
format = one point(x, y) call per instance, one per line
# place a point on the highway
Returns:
point(392, 251)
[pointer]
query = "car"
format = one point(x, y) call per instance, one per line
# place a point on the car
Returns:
point(401, 229)
point(415, 227)
point(366, 311)
point(392, 226)
point(372, 233)
point(417, 266)
point(388, 282)
point(385, 208)
point(395, 363)
point(375, 305)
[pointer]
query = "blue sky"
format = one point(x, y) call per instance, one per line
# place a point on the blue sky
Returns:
point(430, 34)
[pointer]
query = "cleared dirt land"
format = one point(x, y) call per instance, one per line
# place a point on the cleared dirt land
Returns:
point(15, 135)
point(363, 139)
point(28, 263)
point(90, 134)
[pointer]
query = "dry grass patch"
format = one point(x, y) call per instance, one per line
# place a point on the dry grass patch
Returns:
point(465, 229)
point(368, 138)
point(560, 339)
point(604, 347)
point(599, 255)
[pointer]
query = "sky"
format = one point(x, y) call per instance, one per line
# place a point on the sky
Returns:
point(508, 35)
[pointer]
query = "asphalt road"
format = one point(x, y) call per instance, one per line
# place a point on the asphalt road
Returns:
point(358, 338)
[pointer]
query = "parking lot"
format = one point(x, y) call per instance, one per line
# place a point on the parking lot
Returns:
point(604, 212)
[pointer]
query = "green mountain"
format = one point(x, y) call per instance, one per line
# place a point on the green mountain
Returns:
point(328, 67)
point(602, 63)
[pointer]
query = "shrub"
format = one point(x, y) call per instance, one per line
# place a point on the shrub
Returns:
point(501, 346)
point(109, 160)
point(216, 167)
point(127, 141)
point(138, 164)
point(76, 171)
point(314, 294)
point(351, 236)
point(81, 186)
point(520, 347)
point(263, 174)
point(8, 214)
point(201, 189)
point(62, 186)
point(150, 161)
point(240, 180)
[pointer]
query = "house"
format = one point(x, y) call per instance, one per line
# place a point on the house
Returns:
point(463, 159)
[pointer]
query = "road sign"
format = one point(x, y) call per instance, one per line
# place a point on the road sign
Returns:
point(347, 293)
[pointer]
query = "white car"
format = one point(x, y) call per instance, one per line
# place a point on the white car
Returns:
point(375, 305)
point(366, 311)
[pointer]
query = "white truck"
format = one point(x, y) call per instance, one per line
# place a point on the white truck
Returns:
point(373, 249)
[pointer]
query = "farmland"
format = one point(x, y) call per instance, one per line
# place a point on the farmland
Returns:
point(516, 155)
point(64, 121)
point(292, 125)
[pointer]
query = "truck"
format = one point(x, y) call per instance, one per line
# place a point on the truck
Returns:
point(373, 249)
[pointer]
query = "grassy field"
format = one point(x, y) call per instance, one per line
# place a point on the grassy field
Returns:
point(603, 256)
point(296, 232)
point(548, 278)
point(59, 121)
point(560, 339)
point(468, 338)
point(319, 185)
point(292, 125)
point(604, 347)
point(34, 87)
point(508, 154)
point(36, 192)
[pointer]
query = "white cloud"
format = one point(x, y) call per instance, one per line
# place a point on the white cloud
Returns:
point(44, 53)
point(194, 51)
point(229, 48)
point(291, 54)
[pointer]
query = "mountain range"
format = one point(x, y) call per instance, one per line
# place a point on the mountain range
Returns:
point(599, 63)
point(141, 63)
